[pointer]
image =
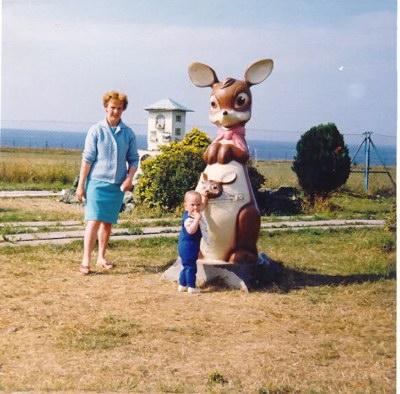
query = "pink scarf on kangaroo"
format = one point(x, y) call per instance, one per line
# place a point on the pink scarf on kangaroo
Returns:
point(236, 134)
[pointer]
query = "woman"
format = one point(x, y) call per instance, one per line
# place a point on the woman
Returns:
point(109, 162)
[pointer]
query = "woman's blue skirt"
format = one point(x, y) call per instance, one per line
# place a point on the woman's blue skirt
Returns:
point(103, 201)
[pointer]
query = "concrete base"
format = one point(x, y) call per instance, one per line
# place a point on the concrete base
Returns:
point(244, 277)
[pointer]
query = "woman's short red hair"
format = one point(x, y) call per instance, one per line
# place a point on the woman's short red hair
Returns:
point(114, 95)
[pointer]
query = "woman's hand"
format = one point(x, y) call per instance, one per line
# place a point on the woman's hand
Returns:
point(127, 185)
point(83, 173)
point(80, 193)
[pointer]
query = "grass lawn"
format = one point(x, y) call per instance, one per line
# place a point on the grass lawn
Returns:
point(327, 327)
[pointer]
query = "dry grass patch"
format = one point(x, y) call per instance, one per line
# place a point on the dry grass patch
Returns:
point(128, 331)
point(50, 208)
point(279, 173)
point(38, 209)
point(31, 166)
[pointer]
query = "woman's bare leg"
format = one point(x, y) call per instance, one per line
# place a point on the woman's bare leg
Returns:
point(89, 241)
point(104, 233)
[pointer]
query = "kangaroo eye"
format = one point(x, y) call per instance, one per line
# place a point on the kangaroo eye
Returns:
point(214, 102)
point(241, 100)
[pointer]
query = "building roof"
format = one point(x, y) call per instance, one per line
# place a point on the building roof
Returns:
point(167, 104)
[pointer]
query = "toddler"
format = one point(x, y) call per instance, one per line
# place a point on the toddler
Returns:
point(193, 227)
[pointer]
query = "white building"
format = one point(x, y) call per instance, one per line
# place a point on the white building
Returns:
point(166, 123)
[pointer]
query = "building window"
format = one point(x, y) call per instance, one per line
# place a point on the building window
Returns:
point(160, 122)
point(178, 131)
point(178, 118)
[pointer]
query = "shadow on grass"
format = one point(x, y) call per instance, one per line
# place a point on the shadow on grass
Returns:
point(154, 269)
point(279, 278)
point(274, 277)
point(138, 268)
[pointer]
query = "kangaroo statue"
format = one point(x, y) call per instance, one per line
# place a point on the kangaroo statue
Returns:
point(232, 214)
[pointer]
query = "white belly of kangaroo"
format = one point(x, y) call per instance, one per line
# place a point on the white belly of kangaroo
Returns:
point(221, 213)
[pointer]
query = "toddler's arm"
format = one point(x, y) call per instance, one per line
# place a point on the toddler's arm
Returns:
point(192, 223)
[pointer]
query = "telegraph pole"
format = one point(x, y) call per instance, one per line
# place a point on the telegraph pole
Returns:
point(367, 142)
point(367, 150)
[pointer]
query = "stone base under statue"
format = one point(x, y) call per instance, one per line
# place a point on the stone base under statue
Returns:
point(245, 277)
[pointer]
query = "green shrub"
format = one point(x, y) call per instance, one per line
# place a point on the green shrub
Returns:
point(195, 139)
point(175, 170)
point(390, 219)
point(322, 162)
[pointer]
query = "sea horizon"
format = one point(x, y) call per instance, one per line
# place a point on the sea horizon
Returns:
point(259, 149)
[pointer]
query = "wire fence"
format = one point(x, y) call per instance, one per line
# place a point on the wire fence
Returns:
point(264, 144)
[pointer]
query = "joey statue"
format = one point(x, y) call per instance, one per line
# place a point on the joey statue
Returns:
point(232, 213)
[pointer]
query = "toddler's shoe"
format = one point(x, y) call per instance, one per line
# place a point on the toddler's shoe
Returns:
point(181, 288)
point(193, 290)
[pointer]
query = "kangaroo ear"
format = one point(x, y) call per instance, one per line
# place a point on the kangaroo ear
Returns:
point(203, 177)
point(258, 71)
point(229, 177)
point(202, 75)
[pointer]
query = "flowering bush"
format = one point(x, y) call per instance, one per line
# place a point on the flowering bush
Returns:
point(167, 176)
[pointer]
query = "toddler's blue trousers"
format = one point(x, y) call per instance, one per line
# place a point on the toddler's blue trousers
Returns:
point(187, 277)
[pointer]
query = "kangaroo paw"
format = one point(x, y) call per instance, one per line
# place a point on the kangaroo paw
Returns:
point(224, 154)
point(228, 152)
point(240, 155)
point(211, 154)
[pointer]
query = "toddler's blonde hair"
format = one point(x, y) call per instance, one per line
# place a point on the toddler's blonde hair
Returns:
point(190, 193)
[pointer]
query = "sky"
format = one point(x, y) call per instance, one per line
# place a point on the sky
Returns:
point(334, 61)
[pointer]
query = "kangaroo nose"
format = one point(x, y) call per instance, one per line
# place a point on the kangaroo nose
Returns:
point(225, 113)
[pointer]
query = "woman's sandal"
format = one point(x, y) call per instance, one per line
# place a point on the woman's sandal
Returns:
point(84, 269)
point(105, 265)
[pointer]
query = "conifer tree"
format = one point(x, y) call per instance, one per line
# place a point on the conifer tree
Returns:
point(322, 162)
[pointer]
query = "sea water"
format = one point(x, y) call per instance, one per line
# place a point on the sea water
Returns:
point(259, 149)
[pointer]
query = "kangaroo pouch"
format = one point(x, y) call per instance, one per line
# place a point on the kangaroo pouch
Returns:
point(221, 213)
